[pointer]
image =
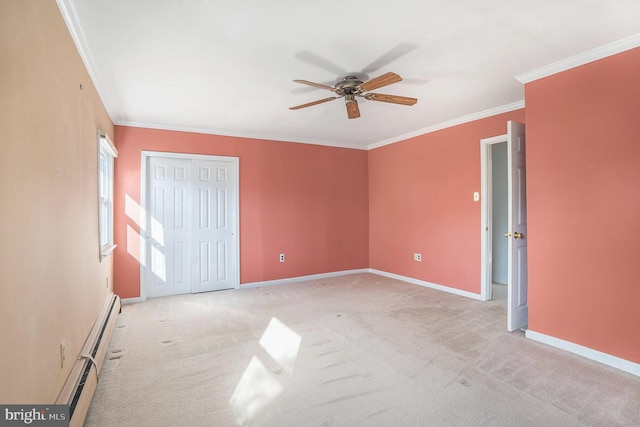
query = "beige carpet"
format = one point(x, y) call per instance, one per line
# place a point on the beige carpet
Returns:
point(357, 350)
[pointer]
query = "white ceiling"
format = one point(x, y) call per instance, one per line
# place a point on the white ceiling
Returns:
point(226, 67)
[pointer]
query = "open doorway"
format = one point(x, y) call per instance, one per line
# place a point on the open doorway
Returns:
point(495, 235)
point(495, 212)
point(499, 221)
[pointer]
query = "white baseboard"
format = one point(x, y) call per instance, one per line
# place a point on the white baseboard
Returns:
point(301, 278)
point(127, 301)
point(589, 353)
point(428, 284)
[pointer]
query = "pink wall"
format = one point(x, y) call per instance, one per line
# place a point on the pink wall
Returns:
point(307, 201)
point(421, 200)
point(332, 209)
point(583, 172)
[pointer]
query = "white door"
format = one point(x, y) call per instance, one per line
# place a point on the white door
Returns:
point(213, 255)
point(192, 208)
point(518, 310)
point(169, 226)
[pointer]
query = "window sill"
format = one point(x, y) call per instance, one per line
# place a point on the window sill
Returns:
point(106, 250)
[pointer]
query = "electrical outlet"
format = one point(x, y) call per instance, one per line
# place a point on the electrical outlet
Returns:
point(417, 257)
point(281, 257)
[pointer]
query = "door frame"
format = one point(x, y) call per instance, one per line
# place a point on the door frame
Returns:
point(144, 188)
point(486, 212)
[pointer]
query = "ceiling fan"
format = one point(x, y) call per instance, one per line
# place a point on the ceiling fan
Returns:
point(350, 87)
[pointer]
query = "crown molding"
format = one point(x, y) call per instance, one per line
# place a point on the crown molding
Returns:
point(451, 123)
point(581, 59)
point(160, 126)
point(70, 16)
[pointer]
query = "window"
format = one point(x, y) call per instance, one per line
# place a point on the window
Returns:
point(106, 153)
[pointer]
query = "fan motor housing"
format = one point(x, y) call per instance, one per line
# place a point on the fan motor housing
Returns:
point(348, 85)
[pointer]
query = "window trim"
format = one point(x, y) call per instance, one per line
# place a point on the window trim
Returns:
point(106, 151)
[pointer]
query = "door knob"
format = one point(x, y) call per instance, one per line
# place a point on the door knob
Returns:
point(517, 235)
point(507, 234)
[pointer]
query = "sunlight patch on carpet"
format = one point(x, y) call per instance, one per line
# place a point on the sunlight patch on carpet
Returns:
point(282, 344)
point(256, 389)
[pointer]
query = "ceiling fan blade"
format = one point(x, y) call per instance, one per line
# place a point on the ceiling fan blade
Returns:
point(318, 61)
point(394, 99)
point(309, 104)
point(353, 111)
point(383, 80)
point(306, 89)
point(390, 56)
point(318, 85)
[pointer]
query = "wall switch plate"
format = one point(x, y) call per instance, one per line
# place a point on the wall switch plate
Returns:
point(417, 257)
point(281, 257)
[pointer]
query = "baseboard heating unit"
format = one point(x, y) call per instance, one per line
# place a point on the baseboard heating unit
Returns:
point(83, 379)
